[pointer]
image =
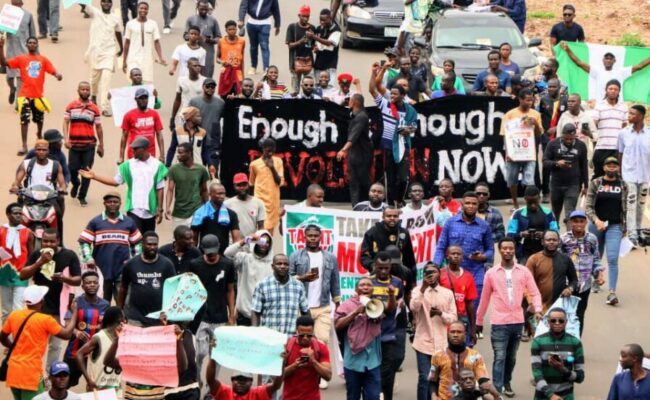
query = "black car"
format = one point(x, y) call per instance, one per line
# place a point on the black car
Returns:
point(467, 37)
point(366, 23)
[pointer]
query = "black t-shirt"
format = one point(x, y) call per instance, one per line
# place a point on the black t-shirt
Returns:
point(536, 221)
point(326, 59)
point(416, 86)
point(215, 278)
point(63, 259)
point(561, 32)
point(145, 281)
point(213, 226)
point(609, 201)
point(182, 264)
point(294, 33)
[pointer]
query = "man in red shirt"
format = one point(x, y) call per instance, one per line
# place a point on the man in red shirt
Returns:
point(32, 67)
point(308, 360)
point(241, 388)
point(80, 122)
point(142, 121)
point(462, 284)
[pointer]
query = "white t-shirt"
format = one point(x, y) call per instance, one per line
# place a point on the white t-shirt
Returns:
point(315, 287)
point(600, 76)
point(182, 53)
point(511, 291)
point(189, 89)
point(41, 174)
point(46, 396)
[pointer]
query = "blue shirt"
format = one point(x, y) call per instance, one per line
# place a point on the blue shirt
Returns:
point(623, 387)
point(367, 359)
point(471, 237)
point(503, 76)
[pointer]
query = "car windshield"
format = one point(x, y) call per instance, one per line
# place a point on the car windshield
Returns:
point(471, 37)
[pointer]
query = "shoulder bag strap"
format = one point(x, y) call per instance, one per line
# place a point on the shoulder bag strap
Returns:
point(20, 331)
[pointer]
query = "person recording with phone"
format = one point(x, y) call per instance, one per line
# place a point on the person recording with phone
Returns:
point(434, 308)
point(566, 158)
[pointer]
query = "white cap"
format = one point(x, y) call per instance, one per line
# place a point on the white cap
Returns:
point(34, 294)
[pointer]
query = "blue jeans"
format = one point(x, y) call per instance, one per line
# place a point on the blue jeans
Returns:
point(424, 367)
point(505, 342)
point(368, 383)
point(259, 36)
point(48, 14)
point(610, 240)
point(527, 169)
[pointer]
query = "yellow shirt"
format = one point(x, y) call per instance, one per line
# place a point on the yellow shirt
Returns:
point(261, 177)
point(516, 113)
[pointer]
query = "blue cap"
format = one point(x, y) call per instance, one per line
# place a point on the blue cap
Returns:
point(141, 92)
point(577, 214)
point(59, 367)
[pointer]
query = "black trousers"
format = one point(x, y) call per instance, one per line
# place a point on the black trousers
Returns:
point(111, 287)
point(599, 161)
point(144, 225)
point(80, 159)
point(397, 177)
point(359, 175)
point(564, 197)
point(391, 359)
point(582, 308)
point(126, 6)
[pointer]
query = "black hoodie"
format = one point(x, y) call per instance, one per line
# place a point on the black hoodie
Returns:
point(378, 238)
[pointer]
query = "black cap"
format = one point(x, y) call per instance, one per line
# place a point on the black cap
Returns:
point(395, 254)
point(210, 244)
point(209, 81)
point(52, 136)
point(141, 92)
point(569, 129)
point(139, 142)
point(609, 54)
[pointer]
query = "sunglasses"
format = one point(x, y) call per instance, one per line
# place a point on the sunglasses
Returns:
point(482, 194)
point(305, 335)
point(557, 320)
point(568, 15)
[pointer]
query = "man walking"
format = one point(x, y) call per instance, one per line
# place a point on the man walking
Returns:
point(585, 126)
point(210, 107)
point(144, 177)
point(386, 232)
point(552, 105)
point(504, 287)
point(633, 150)
point(142, 122)
point(48, 19)
point(213, 217)
point(104, 47)
point(258, 26)
point(250, 210)
point(187, 185)
point(108, 241)
point(17, 45)
point(182, 251)
point(82, 129)
point(557, 359)
point(141, 37)
point(266, 175)
point(357, 151)
point(210, 34)
point(633, 380)
point(488, 213)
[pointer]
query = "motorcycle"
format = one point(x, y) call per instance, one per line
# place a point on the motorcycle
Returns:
point(38, 210)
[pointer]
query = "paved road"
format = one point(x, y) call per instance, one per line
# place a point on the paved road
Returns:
point(607, 328)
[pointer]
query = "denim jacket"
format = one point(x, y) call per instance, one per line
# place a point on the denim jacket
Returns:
point(299, 265)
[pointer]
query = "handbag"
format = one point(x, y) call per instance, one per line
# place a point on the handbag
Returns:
point(4, 367)
point(302, 65)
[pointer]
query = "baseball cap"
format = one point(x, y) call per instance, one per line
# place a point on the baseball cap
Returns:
point(59, 367)
point(391, 51)
point(304, 10)
point(609, 54)
point(142, 92)
point(611, 159)
point(395, 254)
point(52, 135)
point(577, 214)
point(210, 244)
point(112, 194)
point(209, 81)
point(241, 374)
point(569, 129)
point(139, 142)
point(239, 177)
point(34, 294)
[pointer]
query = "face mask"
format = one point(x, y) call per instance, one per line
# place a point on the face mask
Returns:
point(611, 174)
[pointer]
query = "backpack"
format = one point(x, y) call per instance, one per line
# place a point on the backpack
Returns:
point(30, 168)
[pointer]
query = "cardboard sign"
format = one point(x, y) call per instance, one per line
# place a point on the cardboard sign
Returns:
point(183, 297)
point(148, 355)
point(520, 141)
point(256, 350)
point(10, 18)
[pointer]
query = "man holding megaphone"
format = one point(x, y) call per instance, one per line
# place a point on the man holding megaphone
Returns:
point(361, 340)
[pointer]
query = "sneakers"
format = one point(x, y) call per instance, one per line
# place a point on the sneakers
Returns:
point(167, 30)
point(595, 288)
point(74, 191)
point(252, 71)
point(323, 384)
point(507, 390)
point(12, 95)
point(612, 300)
point(635, 243)
point(546, 199)
point(83, 202)
point(479, 335)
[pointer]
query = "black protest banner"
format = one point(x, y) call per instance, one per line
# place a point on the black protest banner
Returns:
point(458, 138)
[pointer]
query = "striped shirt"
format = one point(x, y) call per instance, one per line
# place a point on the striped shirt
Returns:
point(390, 122)
point(110, 243)
point(548, 380)
point(610, 120)
point(89, 320)
point(83, 118)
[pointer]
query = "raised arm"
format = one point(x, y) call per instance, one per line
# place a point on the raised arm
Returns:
point(575, 59)
point(641, 65)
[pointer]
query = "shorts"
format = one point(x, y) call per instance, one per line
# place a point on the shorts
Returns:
point(28, 108)
point(527, 168)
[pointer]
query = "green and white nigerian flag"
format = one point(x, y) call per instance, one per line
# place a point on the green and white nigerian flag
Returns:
point(636, 87)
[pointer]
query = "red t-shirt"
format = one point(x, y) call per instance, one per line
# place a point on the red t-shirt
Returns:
point(225, 392)
point(32, 73)
point(303, 384)
point(464, 288)
point(142, 123)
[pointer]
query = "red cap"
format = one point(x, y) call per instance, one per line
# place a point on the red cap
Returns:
point(239, 178)
point(347, 78)
point(304, 10)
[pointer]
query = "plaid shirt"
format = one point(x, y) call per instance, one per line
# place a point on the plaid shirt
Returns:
point(494, 218)
point(585, 256)
point(280, 305)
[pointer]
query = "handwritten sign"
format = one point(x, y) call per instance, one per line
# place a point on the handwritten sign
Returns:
point(123, 100)
point(520, 141)
point(183, 297)
point(10, 18)
point(148, 355)
point(70, 3)
point(107, 394)
point(256, 350)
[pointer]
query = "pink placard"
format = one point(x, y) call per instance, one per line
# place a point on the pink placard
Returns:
point(148, 355)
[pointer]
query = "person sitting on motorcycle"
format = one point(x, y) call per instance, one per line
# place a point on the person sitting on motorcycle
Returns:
point(55, 140)
point(46, 172)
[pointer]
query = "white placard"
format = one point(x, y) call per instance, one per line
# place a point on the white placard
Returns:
point(10, 18)
point(123, 100)
point(520, 141)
